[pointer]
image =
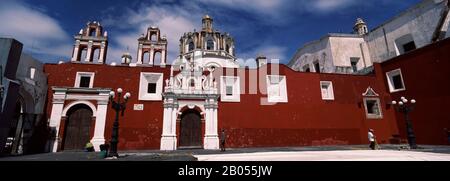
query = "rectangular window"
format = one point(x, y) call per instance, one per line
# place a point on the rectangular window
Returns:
point(276, 88)
point(150, 86)
point(229, 90)
point(410, 46)
point(327, 90)
point(373, 109)
point(85, 81)
point(151, 89)
point(395, 80)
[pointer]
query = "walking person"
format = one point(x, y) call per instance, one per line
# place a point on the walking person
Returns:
point(222, 140)
point(372, 139)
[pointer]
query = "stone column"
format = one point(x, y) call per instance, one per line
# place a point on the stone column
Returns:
point(101, 59)
point(211, 140)
point(100, 123)
point(89, 52)
point(76, 50)
point(55, 119)
point(169, 137)
point(152, 55)
point(163, 58)
point(139, 58)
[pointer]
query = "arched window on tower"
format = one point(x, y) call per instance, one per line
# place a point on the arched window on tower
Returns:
point(145, 57)
point(191, 46)
point(96, 54)
point(91, 31)
point(83, 54)
point(210, 44)
point(227, 48)
point(153, 37)
point(157, 58)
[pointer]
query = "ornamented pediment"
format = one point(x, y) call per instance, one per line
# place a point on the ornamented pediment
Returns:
point(370, 92)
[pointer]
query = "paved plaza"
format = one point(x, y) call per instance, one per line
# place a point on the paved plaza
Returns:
point(311, 153)
point(342, 155)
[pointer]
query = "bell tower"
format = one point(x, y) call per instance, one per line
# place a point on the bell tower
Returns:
point(360, 27)
point(91, 44)
point(151, 44)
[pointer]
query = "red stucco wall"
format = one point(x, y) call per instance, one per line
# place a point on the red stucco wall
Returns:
point(426, 75)
point(305, 120)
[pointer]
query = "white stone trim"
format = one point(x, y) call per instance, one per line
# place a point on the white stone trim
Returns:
point(169, 137)
point(390, 75)
point(280, 87)
point(87, 74)
point(87, 103)
point(329, 94)
point(143, 85)
point(224, 82)
point(99, 112)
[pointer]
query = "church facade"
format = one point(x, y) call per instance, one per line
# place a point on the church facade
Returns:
point(204, 91)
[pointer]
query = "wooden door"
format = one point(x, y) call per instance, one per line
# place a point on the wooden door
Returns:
point(190, 130)
point(77, 128)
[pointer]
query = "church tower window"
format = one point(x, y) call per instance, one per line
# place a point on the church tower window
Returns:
point(191, 46)
point(210, 45)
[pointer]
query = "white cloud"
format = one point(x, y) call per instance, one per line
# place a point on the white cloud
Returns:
point(173, 22)
point(330, 5)
point(271, 52)
point(37, 31)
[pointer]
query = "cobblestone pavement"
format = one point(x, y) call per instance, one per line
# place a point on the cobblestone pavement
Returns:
point(358, 152)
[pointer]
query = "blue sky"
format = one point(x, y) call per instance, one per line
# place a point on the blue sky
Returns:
point(275, 28)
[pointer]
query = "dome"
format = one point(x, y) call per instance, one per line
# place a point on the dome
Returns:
point(359, 21)
point(126, 55)
point(207, 17)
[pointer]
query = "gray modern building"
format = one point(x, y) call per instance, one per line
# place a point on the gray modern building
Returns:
point(23, 94)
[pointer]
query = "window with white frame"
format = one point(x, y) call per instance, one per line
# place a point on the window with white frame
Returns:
point(372, 107)
point(395, 80)
point(276, 88)
point(327, 90)
point(150, 86)
point(230, 89)
point(84, 79)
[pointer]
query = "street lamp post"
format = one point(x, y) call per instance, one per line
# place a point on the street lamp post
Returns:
point(118, 106)
point(406, 107)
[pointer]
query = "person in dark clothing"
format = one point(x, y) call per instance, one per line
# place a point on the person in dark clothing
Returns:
point(222, 140)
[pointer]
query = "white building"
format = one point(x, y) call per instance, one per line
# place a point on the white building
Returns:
point(416, 27)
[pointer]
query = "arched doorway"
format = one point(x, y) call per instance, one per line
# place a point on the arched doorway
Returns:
point(190, 129)
point(77, 127)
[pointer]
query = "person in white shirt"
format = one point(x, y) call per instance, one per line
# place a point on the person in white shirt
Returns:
point(371, 137)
